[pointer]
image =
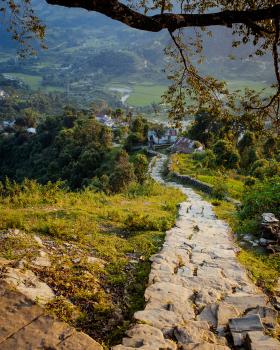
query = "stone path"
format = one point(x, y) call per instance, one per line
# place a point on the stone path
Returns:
point(24, 326)
point(199, 297)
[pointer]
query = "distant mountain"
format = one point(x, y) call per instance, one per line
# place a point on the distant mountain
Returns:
point(88, 51)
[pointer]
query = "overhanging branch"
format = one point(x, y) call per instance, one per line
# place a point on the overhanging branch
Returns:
point(122, 13)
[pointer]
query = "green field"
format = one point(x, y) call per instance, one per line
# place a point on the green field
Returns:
point(144, 94)
point(255, 85)
point(34, 82)
point(185, 164)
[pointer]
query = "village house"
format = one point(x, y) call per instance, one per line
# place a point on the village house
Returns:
point(3, 94)
point(169, 137)
point(105, 120)
point(186, 145)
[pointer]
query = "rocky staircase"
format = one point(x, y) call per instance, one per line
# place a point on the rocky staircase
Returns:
point(199, 297)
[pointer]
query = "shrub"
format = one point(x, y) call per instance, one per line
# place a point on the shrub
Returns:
point(123, 173)
point(141, 168)
point(260, 198)
point(249, 181)
point(246, 141)
point(209, 160)
point(248, 157)
point(226, 154)
point(264, 168)
point(220, 189)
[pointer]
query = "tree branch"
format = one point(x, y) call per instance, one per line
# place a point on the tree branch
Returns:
point(122, 13)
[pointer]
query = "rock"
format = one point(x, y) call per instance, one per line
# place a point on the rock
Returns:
point(162, 319)
point(268, 218)
point(39, 241)
point(276, 302)
point(24, 326)
point(194, 332)
point(16, 312)
point(246, 323)
point(248, 238)
point(270, 226)
point(76, 260)
point(225, 312)
point(268, 315)
point(42, 260)
point(79, 341)
point(94, 260)
point(169, 296)
point(244, 301)
point(206, 296)
point(4, 261)
point(209, 314)
point(29, 284)
point(240, 326)
point(146, 336)
point(257, 340)
point(204, 346)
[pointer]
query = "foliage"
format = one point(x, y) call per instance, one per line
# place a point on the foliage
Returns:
point(263, 197)
point(123, 173)
point(225, 154)
point(141, 168)
point(70, 147)
point(220, 189)
point(263, 168)
point(76, 225)
point(194, 165)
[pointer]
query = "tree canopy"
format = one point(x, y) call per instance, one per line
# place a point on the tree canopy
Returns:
point(254, 23)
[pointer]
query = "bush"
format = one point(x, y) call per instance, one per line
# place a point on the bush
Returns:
point(247, 141)
point(226, 154)
point(249, 181)
point(263, 197)
point(248, 157)
point(141, 168)
point(123, 173)
point(220, 189)
point(263, 168)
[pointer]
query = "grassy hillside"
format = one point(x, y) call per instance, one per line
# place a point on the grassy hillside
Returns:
point(98, 244)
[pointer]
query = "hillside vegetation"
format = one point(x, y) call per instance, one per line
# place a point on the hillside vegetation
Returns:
point(99, 246)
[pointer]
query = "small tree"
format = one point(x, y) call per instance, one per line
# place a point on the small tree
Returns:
point(141, 168)
point(226, 154)
point(123, 173)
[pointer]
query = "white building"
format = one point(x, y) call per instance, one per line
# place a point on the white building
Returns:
point(105, 120)
point(170, 136)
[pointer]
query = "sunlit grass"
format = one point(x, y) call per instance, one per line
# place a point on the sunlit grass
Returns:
point(123, 230)
point(185, 164)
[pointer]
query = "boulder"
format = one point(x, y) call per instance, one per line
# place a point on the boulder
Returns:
point(194, 332)
point(239, 327)
point(42, 260)
point(28, 284)
point(144, 336)
point(204, 346)
point(270, 226)
point(257, 340)
point(268, 315)
point(225, 312)
point(209, 314)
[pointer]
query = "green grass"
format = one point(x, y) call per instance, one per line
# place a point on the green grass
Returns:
point(144, 94)
point(124, 230)
point(33, 81)
point(185, 164)
point(255, 85)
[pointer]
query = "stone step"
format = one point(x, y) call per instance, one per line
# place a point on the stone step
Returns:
point(24, 326)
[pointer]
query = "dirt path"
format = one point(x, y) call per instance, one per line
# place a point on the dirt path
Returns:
point(199, 297)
